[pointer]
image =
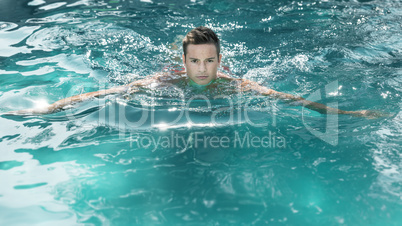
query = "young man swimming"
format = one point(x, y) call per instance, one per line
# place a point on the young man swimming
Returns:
point(201, 58)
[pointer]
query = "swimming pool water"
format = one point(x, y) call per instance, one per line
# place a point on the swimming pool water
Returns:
point(242, 160)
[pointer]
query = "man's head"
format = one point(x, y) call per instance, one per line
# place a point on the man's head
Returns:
point(201, 56)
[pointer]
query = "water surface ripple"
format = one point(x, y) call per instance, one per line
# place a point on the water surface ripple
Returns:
point(82, 167)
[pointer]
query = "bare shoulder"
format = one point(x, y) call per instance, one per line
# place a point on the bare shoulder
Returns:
point(240, 81)
point(171, 77)
point(226, 77)
point(248, 85)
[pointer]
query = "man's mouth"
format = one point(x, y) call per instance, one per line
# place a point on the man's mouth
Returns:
point(202, 77)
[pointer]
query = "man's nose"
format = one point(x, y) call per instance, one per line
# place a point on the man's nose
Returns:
point(202, 67)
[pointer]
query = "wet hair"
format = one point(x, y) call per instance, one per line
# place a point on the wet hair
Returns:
point(201, 35)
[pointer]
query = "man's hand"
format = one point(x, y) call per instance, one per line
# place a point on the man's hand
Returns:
point(30, 111)
point(368, 114)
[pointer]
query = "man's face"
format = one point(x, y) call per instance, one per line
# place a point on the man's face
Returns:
point(202, 63)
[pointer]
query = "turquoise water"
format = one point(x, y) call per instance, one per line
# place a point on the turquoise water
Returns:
point(271, 163)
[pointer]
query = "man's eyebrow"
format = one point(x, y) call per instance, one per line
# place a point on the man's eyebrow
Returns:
point(192, 58)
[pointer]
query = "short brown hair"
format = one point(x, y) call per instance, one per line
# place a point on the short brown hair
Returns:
point(201, 35)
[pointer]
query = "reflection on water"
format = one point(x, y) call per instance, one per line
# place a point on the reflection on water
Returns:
point(190, 162)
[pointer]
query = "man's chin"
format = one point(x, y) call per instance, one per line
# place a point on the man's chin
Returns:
point(203, 82)
point(203, 78)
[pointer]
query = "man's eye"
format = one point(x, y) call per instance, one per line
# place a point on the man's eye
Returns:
point(193, 61)
point(210, 61)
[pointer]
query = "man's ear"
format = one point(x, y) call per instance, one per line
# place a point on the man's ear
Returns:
point(220, 58)
point(184, 59)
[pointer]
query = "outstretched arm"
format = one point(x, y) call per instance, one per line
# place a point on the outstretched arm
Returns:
point(64, 103)
point(321, 108)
